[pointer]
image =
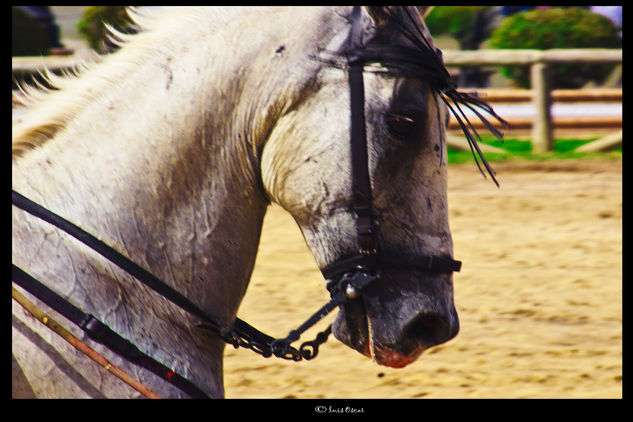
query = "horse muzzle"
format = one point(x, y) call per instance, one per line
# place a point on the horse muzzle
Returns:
point(398, 317)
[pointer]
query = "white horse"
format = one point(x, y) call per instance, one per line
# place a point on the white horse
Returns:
point(171, 149)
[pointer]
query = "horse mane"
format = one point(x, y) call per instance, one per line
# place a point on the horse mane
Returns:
point(50, 109)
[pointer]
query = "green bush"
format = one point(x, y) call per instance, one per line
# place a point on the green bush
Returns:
point(557, 28)
point(91, 26)
point(458, 22)
point(27, 35)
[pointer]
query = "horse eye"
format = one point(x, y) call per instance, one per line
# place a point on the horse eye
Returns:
point(399, 125)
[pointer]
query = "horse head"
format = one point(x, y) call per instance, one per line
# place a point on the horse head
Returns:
point(408, 309)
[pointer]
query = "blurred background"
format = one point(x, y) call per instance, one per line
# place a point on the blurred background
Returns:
point(578, 100)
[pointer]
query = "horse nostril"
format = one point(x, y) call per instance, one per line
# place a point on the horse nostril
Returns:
point(428, 329)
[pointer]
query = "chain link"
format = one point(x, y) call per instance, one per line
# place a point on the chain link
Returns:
point(308, 350)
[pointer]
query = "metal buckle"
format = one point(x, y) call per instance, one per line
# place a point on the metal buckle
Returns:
point(357, 281)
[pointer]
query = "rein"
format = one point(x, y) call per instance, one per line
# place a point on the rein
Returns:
point(241, 334)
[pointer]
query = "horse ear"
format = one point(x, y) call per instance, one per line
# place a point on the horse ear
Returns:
point(378, 14)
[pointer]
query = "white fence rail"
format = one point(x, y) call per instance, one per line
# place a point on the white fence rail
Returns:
point(538, 60)
point(541, 94)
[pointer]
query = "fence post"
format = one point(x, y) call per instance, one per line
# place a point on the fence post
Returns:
point(542, 140)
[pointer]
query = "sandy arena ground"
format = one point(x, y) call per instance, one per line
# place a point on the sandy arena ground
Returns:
point(539, 296)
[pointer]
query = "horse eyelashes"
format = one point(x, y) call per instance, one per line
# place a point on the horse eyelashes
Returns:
point(399, 125)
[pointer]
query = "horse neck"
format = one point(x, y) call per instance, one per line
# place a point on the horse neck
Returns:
point(154, 157)
point(176, 190)
point(164, 166)
point(201, 239)
point(168, 152)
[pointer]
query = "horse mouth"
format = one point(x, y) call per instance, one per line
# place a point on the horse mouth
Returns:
point(416, 339)
point(392, 358)
point(365, 341)
point(387, 338)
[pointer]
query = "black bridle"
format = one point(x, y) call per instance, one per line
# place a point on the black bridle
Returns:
point(347, 277)
point(355, 272)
